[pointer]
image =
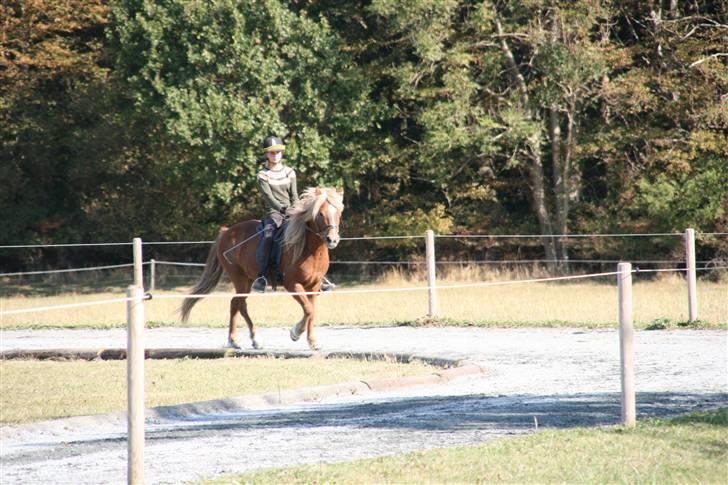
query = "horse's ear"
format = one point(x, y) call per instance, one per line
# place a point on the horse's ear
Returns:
point(318, 191)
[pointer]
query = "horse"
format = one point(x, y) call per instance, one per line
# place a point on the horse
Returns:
point(312, 229)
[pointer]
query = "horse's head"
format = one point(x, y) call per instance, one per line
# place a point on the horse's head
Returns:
point(327, 218)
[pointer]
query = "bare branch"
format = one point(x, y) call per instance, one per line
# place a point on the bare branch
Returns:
point(692, 31)
point(516, 75)
point(717, 54)
point(515, 35)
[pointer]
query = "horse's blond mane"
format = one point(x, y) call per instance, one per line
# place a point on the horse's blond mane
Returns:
point(305, 210)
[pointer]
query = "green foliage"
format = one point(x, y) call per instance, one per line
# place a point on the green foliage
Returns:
point(123, 118)
point(49, 66)
point(220, 77)
point(663, 138)
point(692, 199)
point(416, 222)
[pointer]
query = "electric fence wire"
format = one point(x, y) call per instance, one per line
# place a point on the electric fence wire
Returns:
point(150, 296)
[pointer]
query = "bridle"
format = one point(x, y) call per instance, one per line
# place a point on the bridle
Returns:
point(321, 232)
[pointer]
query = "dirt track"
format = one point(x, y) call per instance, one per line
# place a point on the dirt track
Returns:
point(555, 377)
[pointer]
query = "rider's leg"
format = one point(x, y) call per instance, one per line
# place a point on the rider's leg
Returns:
point(327, 285)
point(262, 256)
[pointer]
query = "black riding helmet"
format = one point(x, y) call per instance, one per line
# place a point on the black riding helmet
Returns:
point(273, 144)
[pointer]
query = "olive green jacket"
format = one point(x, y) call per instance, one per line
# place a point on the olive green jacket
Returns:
point(278, 188)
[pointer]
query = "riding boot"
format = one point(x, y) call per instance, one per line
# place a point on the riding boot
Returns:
point(327, 285)
point(262, 256)
point(259, 284)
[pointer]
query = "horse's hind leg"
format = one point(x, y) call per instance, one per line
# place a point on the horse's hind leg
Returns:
point(234, 320)
point(238, 308)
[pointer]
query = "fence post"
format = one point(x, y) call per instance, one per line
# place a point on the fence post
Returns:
point(135, 385)
point(431, 274)
point(138, 262)
point(692, 280)
point(626, 343)
point(152, 274)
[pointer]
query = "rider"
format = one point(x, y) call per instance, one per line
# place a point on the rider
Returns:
point(277, 184)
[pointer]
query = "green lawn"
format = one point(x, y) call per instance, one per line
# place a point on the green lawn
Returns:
point(688, 449)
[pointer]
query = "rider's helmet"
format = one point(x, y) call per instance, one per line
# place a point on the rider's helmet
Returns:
point(273, 144)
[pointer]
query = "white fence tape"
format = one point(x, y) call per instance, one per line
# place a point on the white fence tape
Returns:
point(68, 270)
point(343, 292)
point(65, 306)
point(173, 263)
point(337, 292)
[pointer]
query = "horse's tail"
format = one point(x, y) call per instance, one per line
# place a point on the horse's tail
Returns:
point(207, 282)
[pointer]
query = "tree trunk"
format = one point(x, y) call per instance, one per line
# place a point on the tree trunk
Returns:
point(560, 180)
point(535, 168)
point(540, 206)
point(559, 156)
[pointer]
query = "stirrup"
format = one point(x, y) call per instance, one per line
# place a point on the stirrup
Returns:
point(327, 285)
point(259, 284)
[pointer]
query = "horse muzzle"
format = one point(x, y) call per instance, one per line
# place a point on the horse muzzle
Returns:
point(332, 241)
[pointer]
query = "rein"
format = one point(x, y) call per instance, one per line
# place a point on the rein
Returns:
point(225, 254)
point(322, 233)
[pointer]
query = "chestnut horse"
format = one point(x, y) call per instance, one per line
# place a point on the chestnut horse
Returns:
point(312, 229)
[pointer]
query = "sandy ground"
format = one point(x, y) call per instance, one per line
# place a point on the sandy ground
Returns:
point(552, 377)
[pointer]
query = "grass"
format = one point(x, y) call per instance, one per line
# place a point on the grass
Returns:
point(688, 449)
point(33, 390)
point(660, 303)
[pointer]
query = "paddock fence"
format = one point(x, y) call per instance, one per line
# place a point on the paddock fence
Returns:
point(425, 263)
point(136, 296)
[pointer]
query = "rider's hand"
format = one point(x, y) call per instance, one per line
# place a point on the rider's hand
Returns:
point(283, 209)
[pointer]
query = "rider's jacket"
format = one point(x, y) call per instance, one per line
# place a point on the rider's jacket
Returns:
point(278, 188)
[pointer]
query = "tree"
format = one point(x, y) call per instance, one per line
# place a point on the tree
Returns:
point(499, 87)
point(219, 77)
point(662, 132)
point(50, 62)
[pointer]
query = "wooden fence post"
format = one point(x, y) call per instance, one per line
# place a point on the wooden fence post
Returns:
point(626, 343)
point(138, 263)
point(431, 273)
point(690, 276)
point(152, 274)
point(135, 385)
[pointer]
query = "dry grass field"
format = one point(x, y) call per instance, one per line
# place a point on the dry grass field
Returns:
point(32, 390)
point(400, 300)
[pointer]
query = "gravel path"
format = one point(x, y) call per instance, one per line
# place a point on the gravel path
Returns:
point(553, 377)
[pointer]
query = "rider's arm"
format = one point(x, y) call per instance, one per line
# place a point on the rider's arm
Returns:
point(293, 188)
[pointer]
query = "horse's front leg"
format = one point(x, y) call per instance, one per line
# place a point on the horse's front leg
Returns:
point(304, 323)
point(249, 321)
point(309, 323)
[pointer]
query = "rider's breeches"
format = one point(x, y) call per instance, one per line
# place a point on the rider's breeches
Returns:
point(262, 254)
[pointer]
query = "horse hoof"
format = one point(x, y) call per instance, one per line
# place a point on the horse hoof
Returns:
point(295, 336)
point(256, 345)
point(233, 344)
point(313, 346)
